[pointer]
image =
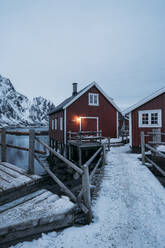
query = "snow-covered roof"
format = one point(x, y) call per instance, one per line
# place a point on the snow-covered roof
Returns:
point(67, 102)
point(144, 100)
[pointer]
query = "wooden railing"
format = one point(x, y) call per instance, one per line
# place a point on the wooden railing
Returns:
point(83, 199)
point(31, 148)
point(85, 136)
point(156, 141)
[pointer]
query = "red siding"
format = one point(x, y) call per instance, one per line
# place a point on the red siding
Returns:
point(156, 103)
point(105, 111)
point(56, 134)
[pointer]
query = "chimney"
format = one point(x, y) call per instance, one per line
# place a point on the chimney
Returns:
point(74, 93)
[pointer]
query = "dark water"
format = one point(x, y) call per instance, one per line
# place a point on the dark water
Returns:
point(20, 158)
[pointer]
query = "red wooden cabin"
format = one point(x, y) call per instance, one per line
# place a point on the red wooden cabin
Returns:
point(146, 115)
point(87, 110)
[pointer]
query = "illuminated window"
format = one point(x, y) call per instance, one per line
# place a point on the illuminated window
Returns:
point(93, 99)
point(150, 118)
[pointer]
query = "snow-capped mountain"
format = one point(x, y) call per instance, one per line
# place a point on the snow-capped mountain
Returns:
point(17, 109)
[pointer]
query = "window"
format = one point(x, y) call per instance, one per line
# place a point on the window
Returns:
point(93, 99)
point(61, 123)
point(52, 124)
point(150, 118)
point(55, 124)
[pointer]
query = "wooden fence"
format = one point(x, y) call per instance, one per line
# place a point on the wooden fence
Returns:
point(84, 197)
point(151, 146)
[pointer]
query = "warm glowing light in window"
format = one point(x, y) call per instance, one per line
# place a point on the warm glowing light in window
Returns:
point(78, 119)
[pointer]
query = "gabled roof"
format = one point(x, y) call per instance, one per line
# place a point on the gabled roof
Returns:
point(66, 103)
point(144, 100)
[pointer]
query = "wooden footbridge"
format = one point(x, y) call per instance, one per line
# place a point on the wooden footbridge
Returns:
point(26, 210)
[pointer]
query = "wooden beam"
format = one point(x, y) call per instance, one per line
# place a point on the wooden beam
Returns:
point(156, 166)
point(86, 192)
point(95, 168)
point(31, 151)
point(65, 189)
point(93, 157)
point(3, 146)
point(20, 133)
point(155, 150)
point(69, 163)
point(25, 149)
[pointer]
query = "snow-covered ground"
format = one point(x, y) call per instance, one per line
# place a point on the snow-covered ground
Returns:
point(128, 213)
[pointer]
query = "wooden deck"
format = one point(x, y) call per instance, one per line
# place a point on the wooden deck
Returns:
point(15, 182)
point(38, 212)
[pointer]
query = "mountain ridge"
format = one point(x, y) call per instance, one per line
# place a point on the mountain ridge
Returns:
point(17, 110)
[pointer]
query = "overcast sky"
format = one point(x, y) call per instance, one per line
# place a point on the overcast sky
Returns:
point(46, 45)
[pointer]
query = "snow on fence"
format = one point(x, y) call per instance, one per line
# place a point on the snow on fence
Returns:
point(152, 146)
point(83, 200)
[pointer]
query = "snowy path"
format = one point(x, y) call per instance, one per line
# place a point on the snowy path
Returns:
point(129, 211)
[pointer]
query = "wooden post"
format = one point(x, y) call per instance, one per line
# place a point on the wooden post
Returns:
point(3, 148)
point(69, 135)
point(100, 134)
point(143, 147)
point(86, 193)
point(104, 155)
point(69, 152)
point(109, 143)
point(31, 151)
point(80, 137)
point(79, 156)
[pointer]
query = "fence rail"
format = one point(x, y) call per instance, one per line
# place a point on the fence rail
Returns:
point(83, 199)
point(156, 136)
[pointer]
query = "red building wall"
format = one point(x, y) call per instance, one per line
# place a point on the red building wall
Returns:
point(156, 103)
point(105, 111)
point(56, 134)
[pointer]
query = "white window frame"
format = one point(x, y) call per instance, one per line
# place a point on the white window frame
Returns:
point(55, 124)
point(87, 117)
point(93, 95)
point(61, 123)
point(149, 112)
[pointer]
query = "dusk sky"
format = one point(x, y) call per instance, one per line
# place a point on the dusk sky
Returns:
point(46, 45)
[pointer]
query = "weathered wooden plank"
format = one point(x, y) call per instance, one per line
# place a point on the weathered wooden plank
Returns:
point(25, 149)
point(95, 168)
point(86, 192)
point(57, 223)
point(21, 200)
point(13, 167)
point(5, 176)
point(65, 189)
point(19, 170)
point(20, 133)
point(9, 171)
point(4, 185)
point(40, 210)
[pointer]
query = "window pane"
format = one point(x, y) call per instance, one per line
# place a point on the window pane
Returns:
point(91, 99)
point(154, 118)
point(145, 118)
point(95, 99)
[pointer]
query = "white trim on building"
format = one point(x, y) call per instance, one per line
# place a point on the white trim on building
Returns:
point(150, 118)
